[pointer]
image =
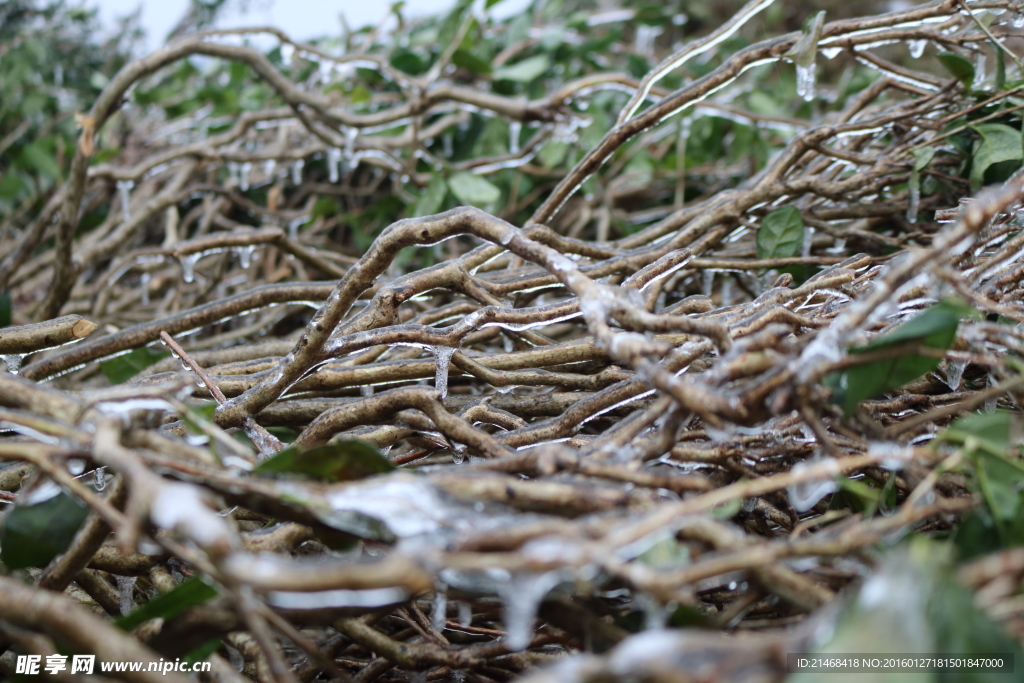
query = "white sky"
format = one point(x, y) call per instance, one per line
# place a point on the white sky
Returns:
point(301, 19)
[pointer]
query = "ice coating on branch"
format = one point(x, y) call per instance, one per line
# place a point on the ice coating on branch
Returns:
point(916, 48)
point(804, 495)
point(442, 359)
point(124, 189)
point(126, 587)
point(99, 478)
point(181, 507)
point(806, 81)
point(1017, 20)
point(341, 597)
point(408, 507)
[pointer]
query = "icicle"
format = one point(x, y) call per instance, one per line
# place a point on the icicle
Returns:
point(144, 284)
point(126, 586)
point(297, 171)
point(522, 596)
point(514, 129)
point(76, 466)
point(366, 390)
point(979, 68)
point(243, 176)
point(124, 187)
point(350, 145)
point(13, 361)
point(805, 495)
point(99, 478)
point(1017, 20)
point(269, 166)
point(465, 613)
point(645, 36)
point(188, 267)
point(439, 615)
point(333, 161)
point(806, 78)
point(293, 228)
point(914, 204)
point(916, 48)
point(245, 256)
point(442, 358)
point(830, 52)
point(805, 249)
point(707, 281)
point(448, 145)
point(458, 454)
point(234, 174)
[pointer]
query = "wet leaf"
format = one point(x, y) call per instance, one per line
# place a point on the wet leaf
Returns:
point(959, 66)
point(189, 593)
point(473, 190)
point(781, 234)
point(432, 198)
point(998, 144)
point(122, 368)
point(35, 534)
point(934, 328)
point(337, 461)
point(524, 71)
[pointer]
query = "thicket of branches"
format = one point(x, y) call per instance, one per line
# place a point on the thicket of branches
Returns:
point(599, 343)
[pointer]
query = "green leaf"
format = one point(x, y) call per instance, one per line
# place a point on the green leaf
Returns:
point(34, 156)
point(727, 510)
point(781, 234)
point(203, 652)
point(189, 593)
point(10, 184)
point(432, 198)
point(998, 143)
point(473, 190)
point(122, 368)
point(959, 66)
point(993, 432)
point(35, 534)
point(5, 309)
point(470, 62)
point(934, 328)
point(552, 154)
point(805, 50)
point(409, 62)
point(524, 71)
point(337, 461)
